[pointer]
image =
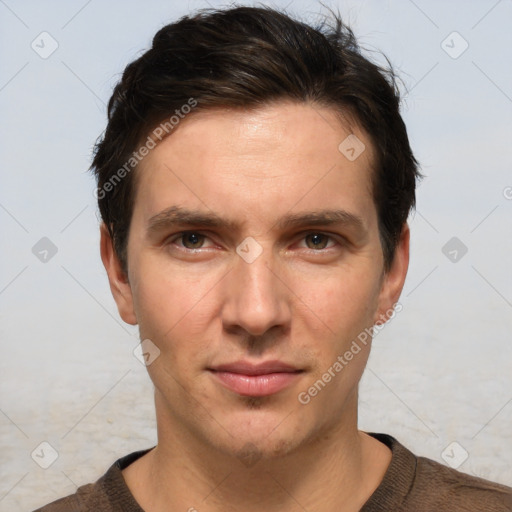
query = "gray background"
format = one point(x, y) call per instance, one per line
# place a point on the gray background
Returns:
point(440, 372)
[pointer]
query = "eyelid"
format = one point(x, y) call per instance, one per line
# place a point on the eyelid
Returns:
point(338, 239)
point(176, 236)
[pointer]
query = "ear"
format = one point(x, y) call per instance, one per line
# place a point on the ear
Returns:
point(393, 280)
point(119, 284)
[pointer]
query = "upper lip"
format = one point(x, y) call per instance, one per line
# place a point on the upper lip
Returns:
point(247, 368)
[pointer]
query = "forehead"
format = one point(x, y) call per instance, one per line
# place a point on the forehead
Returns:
point(259, 162)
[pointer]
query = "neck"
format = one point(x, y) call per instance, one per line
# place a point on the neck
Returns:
point(335, 469)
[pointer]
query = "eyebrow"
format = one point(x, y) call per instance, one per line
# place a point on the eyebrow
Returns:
point(176, 215)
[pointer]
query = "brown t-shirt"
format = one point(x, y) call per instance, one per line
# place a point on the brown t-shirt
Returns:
point(411, 483)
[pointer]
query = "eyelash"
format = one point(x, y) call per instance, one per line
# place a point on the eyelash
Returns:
point(182, 234)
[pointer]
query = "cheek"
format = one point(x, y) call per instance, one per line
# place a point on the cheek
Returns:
point(344, 309)
point(177, 319)
point(343, 302)
point(171, 304)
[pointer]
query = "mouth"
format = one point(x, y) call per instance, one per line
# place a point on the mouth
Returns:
point(262, 379)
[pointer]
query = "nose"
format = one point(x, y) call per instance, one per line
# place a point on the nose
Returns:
point(256, 298)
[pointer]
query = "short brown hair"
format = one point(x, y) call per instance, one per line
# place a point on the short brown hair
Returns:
point(247, 57)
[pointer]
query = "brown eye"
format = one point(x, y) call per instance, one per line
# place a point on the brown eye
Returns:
point(317, 241)
point(192, 240)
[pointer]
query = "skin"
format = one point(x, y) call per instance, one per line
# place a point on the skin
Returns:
point(302, 301)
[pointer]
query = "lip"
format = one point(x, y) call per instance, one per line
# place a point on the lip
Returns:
point(247, 368)
point(250, 379)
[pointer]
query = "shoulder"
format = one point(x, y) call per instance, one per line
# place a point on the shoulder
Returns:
point(449, 489)
point(418, 484)
point(108, 493)
point(87, 497)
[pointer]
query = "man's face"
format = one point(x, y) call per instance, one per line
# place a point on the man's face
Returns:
point(259, 281)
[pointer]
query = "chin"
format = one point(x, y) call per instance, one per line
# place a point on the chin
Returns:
point(249, 435)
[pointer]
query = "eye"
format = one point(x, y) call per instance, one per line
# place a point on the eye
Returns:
point(190, 240)
point(317, 241)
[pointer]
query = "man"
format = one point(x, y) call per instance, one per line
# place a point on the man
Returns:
point(254, 182)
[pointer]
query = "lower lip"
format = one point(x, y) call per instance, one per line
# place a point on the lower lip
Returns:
point(256, 385)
